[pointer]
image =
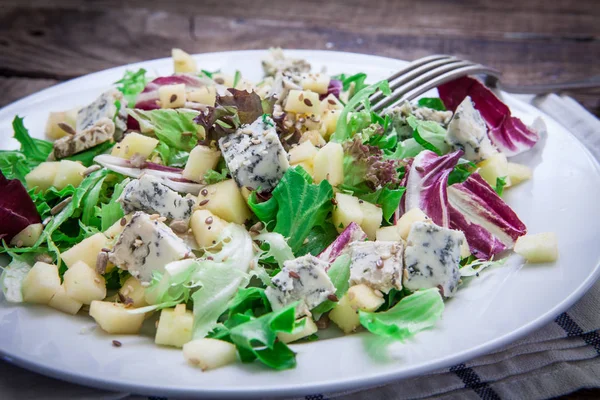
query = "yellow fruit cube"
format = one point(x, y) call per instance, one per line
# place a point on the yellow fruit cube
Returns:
point(206, 95)
point(317, 83)
point(372, 216)
point(182, 62)
point(305, 151)
point(538, 248)
point(68, 173)
point(207, 227)
point(42, 176)
point(329, 122)
point(172, 96)
point(53, 130)
point(346, 210)
point(201, 159)
point(518, 173)
point(303, 102)
point(408, 218)
point(494, 167)
point(87, 250)
point(388, 234)
point(209, 353)
point(41, 283)
point(114, 318)
point(330, 103)
point(28, 236)
point(225, 200)
point(344, 316)
point(64, 303)
point(314, 137)
point(329, 164)
point(134, 143)
point(174, 326)
point(362, 297)
point(132, 289)
point(223, 79)
point(307, 329)
point(84, 284)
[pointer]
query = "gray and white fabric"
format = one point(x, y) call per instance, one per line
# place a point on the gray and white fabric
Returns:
point(560, 358)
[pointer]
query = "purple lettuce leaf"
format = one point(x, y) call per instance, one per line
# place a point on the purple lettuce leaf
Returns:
point(339, 246)
point(509, 134)
point(17, 210)
point(335, 88)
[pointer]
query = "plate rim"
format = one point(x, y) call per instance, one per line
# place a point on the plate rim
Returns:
point(364, 382)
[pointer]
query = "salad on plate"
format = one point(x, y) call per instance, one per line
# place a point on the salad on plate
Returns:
point(233, 218)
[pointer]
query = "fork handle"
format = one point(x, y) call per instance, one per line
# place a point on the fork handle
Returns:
point(591, 83)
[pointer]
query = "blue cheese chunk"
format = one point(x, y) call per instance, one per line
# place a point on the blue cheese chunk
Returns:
point(303, 279)
point(150, 195)
point(105, 106)
point(376, 264)
point(255, 156)
point(146, 245)
point(102, 131)
point(400, 113)
point(432, 257)
point(467, 131)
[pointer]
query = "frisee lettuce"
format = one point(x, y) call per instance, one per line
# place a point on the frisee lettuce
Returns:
point(175, 128)
point(132, 84)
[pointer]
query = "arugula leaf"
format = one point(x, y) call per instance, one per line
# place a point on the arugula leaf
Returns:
point(89, 215)
point(426, 135)
point(14, 165)
point(339, 273)
point(434, 103)
point(87, 157)
point(461, 172)
point(296, 206)
point(500, 183)
point(169, 126)
point(249, 300)
point(236, 78)
point(412, 314)
point(33, 149)
point(112, 211)
point(358, 79)
point(131, 85)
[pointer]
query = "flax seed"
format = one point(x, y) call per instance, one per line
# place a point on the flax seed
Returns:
point(333, 297)
point(116, 343)
point(173, 98)
point(203, 202)
point(294, 275)
point(67, 128)
point(308, 102)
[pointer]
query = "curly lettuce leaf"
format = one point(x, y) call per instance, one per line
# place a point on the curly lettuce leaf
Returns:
point(176, 128)
point(414, 313)
point(131, 85)
point(427, 135)
point(434, 103)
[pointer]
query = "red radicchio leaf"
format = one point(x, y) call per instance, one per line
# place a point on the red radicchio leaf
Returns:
point(509, 134)
point(17, 210)
point(352, 233)
point(335, 88)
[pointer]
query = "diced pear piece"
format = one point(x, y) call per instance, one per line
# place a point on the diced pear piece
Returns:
point(225, 200)
point(64, 303)
point(87, 250)
point(174, 326)
point(307, 166)
point(84, 284)
point(344, 316)
point(53, 131)
point(314, 137)
point(116, 228)
point(206, 95)
point(330, 103)
point(305, 151)
point(223, 79)
point(518, 173)
point(303, 102)
point(134, 143)
point(494, 167)
point(206, 227)
point(329, 122)
point(408, 218)
point(372, 216)
point(133, 289)
point(209, 353)
point(329, 164)
point(318, 83)
point(346, 210)
point(68, 173)
point(182, 62)
point(308, 329)
point(41, 283)
point(388, 234)
point(538, 248)
point(114, 318)
point(42, 176)
point(359, 297)
point(28, 236)
point(201, 159)
point(172, 96)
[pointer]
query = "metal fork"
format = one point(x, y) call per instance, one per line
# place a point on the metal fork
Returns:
point(429, 72)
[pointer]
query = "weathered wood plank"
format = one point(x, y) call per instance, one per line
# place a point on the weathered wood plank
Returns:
point(13, 89)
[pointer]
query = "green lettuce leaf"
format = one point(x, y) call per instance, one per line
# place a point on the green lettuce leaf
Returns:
point(34, 149)
point(111, 211)
point(412, 314)
point(339, 273)
point(175, 128)
point(131, 85)
point(211, 176)
point(500, 183)
point(14, 165)
point(318, 239)
point(426, 135)
point(434, 103)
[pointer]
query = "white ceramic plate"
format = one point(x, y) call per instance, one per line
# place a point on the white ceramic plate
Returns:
point(493, 310)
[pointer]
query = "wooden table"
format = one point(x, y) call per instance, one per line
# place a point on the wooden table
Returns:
point(44, 42)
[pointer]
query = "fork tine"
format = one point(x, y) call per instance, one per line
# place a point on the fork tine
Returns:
point(431, 80)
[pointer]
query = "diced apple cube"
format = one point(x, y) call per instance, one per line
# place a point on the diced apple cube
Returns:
point(172, 96)
point(318, 83)
point(182, 61)
point(225, 200)
point(346, 210)
point(134, 143)
point(84, 284)
point(308, 166)
point(518, 173)
point(201, 159)
point(314, 137)
point(87, 250)
point(329, 122)
point(53, 130)
point(329, 164)
point(41, 283)
point(305, 151)
point(307, 329)
point(114, 318)
point(42, 176)
point(359, 297)
point(408, 218)
point(538, 248)
point(330, 103)
point(223, 79)
point(209, 353)
point(388, 234)
point(174, 326)
point(303, 102)
point(372, 216)
point(132, 289)
point(206, 227)
point(344, 316)
point(64, 303)
point(206, 95)
point(28, 236)
point(68, 173)
point(493, 168)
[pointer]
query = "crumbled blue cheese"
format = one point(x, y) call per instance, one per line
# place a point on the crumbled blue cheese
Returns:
point(400, 113)
point(102, 131)
point(303, 279)
point(146, 245)
point(376, 264)
point(11, 280)
point(150, 195)
point(467, 131)
point(432, 257)
point(276, 62)
point(105, 106)
point(254, 155)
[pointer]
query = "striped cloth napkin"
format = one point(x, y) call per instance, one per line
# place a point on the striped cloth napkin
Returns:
point(560, 358)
